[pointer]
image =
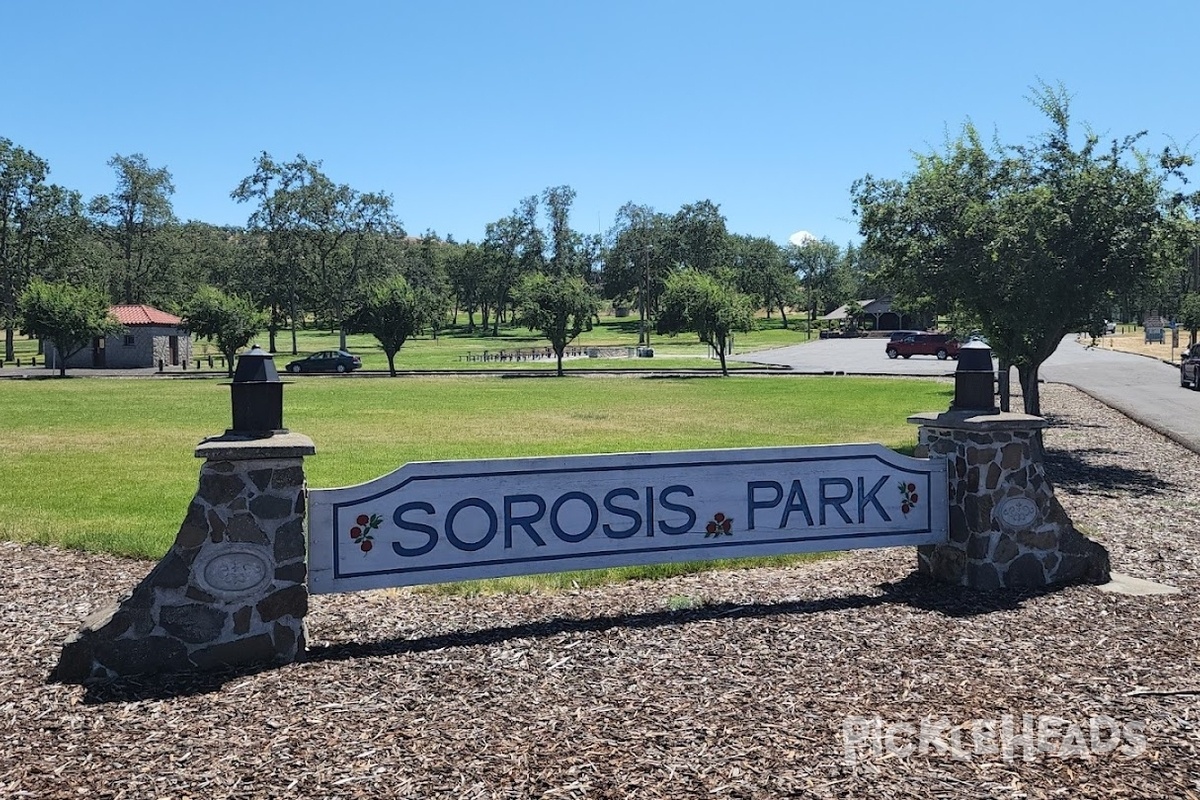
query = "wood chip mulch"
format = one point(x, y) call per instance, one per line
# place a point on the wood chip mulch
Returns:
point(758, 683)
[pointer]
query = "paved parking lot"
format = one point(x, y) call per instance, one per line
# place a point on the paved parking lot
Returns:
point(849, 356)
point(1142, 388)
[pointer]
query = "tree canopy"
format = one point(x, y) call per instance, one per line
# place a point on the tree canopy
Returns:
point(68, 316)
point(696, 301)
point(1031, 241)
point(559, 307)
point(137, 211)
point(392, 312)
point(230, 321)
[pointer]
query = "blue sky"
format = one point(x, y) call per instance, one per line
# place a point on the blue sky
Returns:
point(460, 109)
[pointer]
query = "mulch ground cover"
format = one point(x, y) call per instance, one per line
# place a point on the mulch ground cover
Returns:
point(843, 678)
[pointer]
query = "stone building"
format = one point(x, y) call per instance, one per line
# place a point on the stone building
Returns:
point(150, 337)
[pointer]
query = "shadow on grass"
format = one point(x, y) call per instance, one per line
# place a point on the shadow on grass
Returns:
point(629, 326)
point(484, 337)
point(915, 590)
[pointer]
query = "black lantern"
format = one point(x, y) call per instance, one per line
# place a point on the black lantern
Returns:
point(257, 395)
point(974, 381)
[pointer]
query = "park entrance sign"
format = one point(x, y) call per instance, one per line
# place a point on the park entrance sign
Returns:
point(457, 520)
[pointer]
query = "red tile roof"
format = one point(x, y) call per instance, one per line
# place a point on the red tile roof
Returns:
point(143, 315)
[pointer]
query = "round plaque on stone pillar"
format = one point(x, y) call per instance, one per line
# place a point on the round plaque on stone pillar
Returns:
point(234, 571)
point(1017, 513)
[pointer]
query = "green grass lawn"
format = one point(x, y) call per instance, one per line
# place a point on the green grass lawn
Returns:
point(23, 349)
point(453, 346)
point(450, 350)
point(107, 463)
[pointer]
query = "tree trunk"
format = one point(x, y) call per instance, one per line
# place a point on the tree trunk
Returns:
point(1003, 371)
point(721, 352)
point(783, 315)
point(559, 352)
point(496, 315)
point(1028, 375)
point(391, 355)
point(292, 314)
point(273, 325)
point(9, 353)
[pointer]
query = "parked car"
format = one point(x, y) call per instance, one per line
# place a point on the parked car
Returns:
point(1189, 368)
point(942, 345)
point(1110, 327)
point(326, 361)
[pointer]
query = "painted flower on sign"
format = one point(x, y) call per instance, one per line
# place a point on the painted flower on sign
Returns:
point(720, 524)
point(908, 493)
point(361, 534)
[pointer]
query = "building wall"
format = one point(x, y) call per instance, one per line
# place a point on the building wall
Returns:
point(147, 344)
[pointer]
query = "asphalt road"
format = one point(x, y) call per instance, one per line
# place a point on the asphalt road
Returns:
point(1142, 388)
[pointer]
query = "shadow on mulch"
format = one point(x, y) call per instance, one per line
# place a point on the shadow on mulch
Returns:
point(915, 590)
point(1075, 471)
point(165, 687)
point(1059, 421)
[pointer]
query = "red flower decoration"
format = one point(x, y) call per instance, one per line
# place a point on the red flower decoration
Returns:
point(909, 497)
point(720, 524)
point(361, 534)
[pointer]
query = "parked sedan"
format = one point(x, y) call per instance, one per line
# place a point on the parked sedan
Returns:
point(326, 361)
point(1189, 368)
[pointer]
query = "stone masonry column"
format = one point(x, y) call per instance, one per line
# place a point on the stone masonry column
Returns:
point(232, 589)
point(1007, 530)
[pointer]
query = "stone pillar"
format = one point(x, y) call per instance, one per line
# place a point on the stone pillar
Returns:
point(232, 589)
point(1007, 530)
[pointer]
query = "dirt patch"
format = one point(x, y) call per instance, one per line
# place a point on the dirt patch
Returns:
point(759, 683)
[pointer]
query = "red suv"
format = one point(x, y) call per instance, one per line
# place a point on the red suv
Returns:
point(942, 345)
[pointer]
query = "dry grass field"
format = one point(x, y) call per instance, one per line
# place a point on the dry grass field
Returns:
point(1135, 342)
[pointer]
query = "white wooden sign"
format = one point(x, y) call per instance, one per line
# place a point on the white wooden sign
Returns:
point(457, 520)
